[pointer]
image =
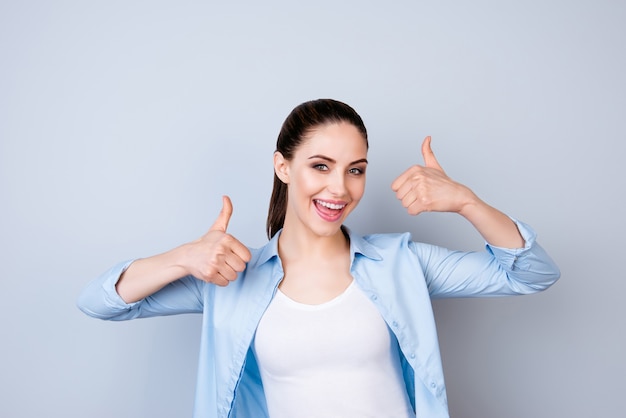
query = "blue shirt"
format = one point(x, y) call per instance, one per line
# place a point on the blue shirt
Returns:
point(399, 276)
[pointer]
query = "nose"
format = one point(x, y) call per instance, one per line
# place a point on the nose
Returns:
point(337, 184)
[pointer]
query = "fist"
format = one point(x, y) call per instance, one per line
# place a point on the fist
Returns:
point(217, 257)
point(427, 188)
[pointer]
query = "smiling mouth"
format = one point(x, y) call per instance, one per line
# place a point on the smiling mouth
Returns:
point(328, 205)
point(330, 212)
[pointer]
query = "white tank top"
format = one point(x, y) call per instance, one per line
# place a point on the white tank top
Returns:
point(336, 359)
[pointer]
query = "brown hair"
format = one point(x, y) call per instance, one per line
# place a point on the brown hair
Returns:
point(300, 122)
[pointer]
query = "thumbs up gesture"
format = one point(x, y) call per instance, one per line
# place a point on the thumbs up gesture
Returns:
point(427, 188)
point(217, 257)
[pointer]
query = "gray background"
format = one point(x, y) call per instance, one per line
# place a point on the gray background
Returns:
point(122, 123)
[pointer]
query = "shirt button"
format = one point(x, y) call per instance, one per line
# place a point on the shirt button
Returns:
point(374, 297)
point(395, 324)
point(412, 355)
point(433, 385)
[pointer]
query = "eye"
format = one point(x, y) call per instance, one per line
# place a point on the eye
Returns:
point(356, 171)
point(321, 167)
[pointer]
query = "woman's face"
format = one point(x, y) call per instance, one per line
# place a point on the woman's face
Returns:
point(325, 178)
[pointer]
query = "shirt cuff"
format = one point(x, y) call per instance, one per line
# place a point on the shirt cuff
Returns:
point(513, 258)
point(112, 299)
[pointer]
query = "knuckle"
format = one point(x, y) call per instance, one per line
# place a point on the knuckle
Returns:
point(228, 239)
point(208, 272)
point(216, 258)
point(242, 266)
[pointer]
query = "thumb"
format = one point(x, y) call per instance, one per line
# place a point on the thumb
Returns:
point(429, 155)
point(221, 223)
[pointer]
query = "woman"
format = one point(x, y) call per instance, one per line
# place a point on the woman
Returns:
point(321, 321)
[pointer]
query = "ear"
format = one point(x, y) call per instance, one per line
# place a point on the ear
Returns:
point(281, 167)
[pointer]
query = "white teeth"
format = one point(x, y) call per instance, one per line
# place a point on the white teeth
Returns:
point(330, 205)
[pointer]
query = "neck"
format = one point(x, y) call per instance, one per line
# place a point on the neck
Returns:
point(292, 245)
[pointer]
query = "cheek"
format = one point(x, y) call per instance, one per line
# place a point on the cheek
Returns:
point(303, 186)
point(357, 188)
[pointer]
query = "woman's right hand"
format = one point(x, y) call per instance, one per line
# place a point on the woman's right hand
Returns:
point(217, 257)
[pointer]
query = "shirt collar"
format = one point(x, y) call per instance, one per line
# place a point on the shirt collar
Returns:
point(358, 245)
point(269, 250)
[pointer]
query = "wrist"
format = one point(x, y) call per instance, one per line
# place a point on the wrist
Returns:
point(471, 204)
point(178, 260)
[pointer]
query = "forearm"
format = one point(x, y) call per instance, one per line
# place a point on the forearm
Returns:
point(495, 227)
point(148, 275)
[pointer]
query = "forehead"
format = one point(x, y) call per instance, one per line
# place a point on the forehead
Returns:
point(334, 138)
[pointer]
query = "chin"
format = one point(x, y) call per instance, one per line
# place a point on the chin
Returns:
point(327, 232)
point(327, 229)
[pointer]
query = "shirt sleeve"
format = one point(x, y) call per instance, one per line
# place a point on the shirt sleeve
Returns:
point(100, 299)
point(495, 272)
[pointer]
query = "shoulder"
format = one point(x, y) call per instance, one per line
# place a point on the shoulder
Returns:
point(267, 251)
point(390, 246)
point(382, 245)
point(266, 254)
point(388, 241)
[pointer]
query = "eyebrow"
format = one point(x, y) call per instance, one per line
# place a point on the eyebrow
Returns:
point(330, 160)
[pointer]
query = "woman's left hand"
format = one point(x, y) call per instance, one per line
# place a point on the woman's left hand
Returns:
point(427, 188)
